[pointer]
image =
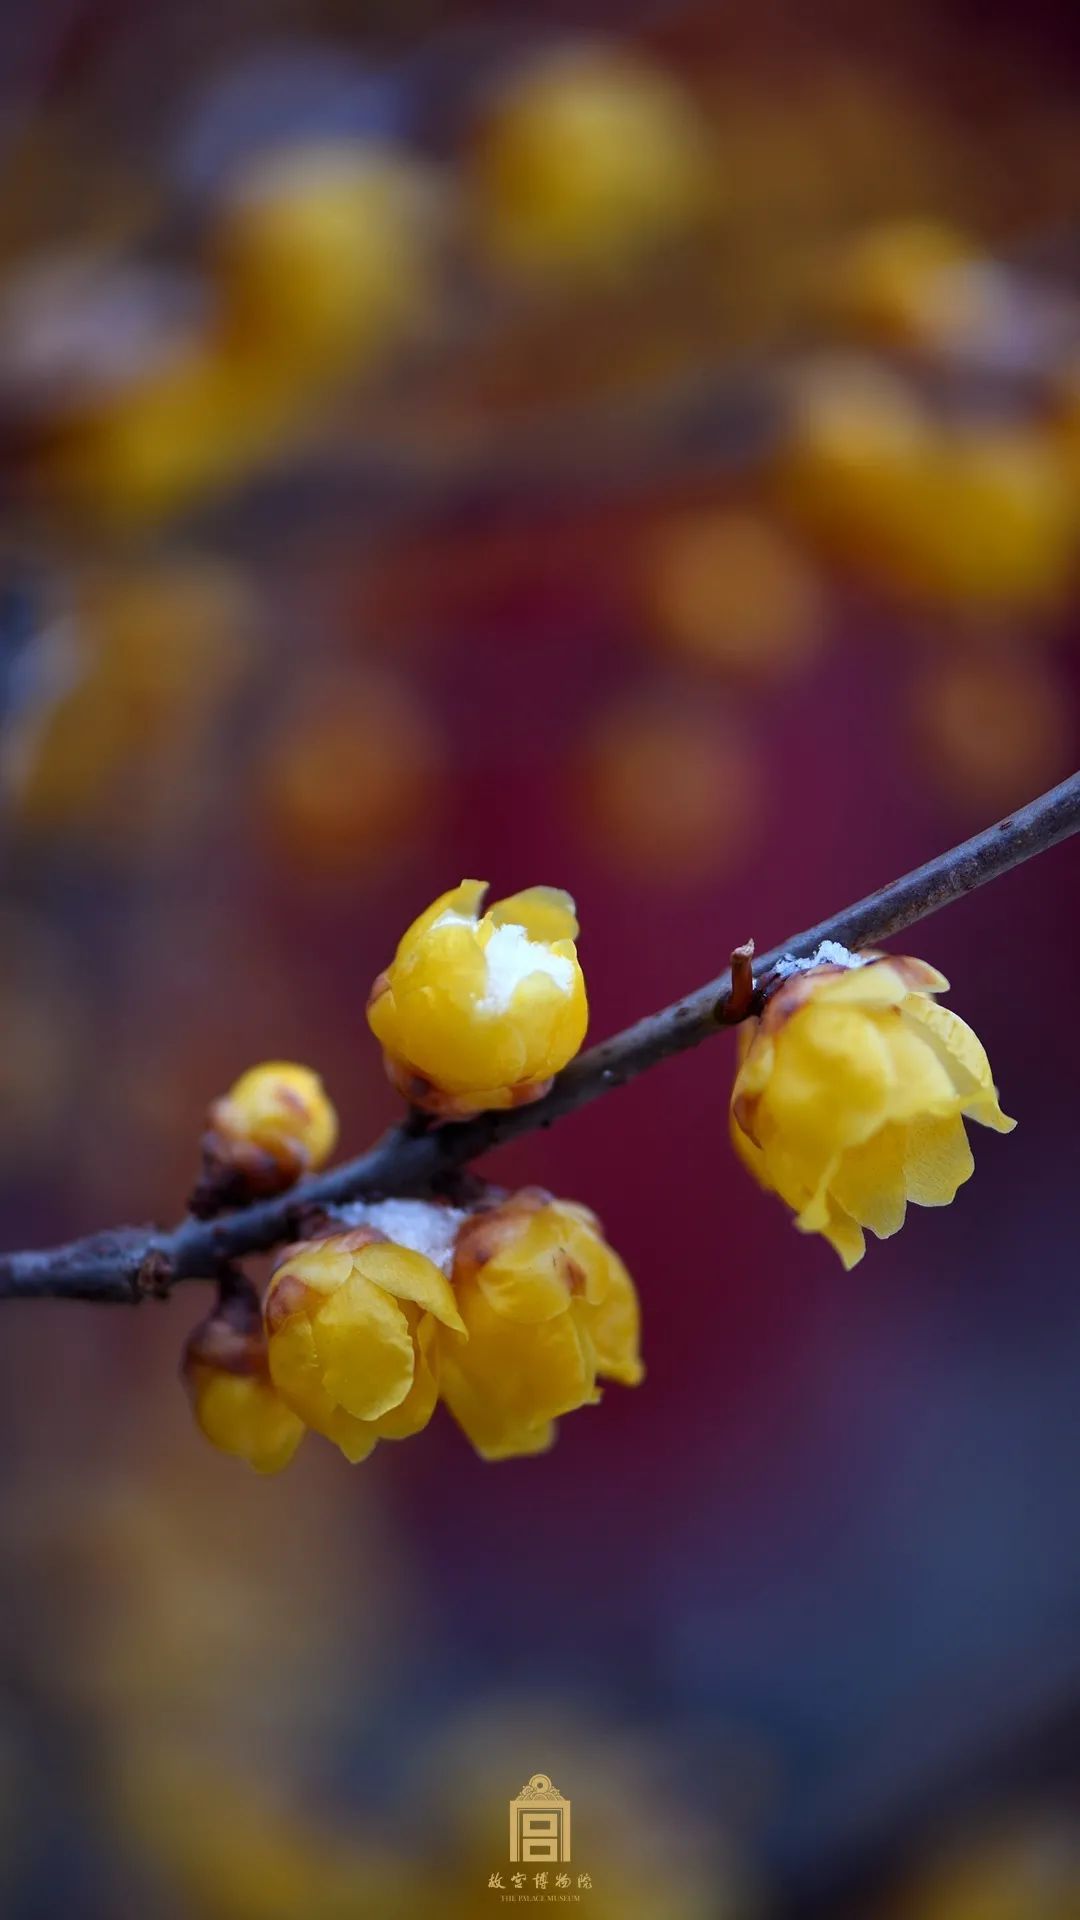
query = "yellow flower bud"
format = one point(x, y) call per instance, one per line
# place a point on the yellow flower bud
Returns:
point(275, 1123)
point(589, 159)
point(172, 638)
point(727, 590)
point(481, 1010)
point(335, 810)
point(668, 792)
point(351, 1322)
point(850, 1096)
point(858, 452)
point(321, 255)
point(993, 726)
point(227, 1376)
point(912, 283)
point(993, 526)
point(548, 1309)
point(188, 426)
point(972, 517)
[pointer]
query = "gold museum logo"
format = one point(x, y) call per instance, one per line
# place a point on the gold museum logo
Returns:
point(540, 1848)
point(540, 1822)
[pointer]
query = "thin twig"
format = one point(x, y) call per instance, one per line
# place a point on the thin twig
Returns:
point(126, 1264)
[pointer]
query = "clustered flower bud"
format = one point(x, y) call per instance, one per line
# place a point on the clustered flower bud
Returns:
point(319, 257)
point(548, 1309)
point(480, 1010)
point(226, 1372)
point(851, 1094)
point(351, 1324)
point(511, 1315)
point(274, 1124)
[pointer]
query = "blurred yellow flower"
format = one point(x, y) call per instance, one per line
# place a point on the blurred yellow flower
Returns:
point(992, 523)
point(588, 160)
point(351, 1322)
point(172, 638)
point(228, 1841)
point(850, 1092)
point(321, 255)
point(727, 590)
point(668, 790)
point(911, 283)
point(226, 1372)
point(993, 726)
point(190, 425)
point(481, 1010)
point(124, 688)
point(275, 1123)
point(320, 259)
point(332, 809)
point(548, 1309)
point(974, 516)
point(1019, 1866)
point(858, 445)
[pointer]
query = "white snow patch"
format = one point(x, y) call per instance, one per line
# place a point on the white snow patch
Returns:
point(511, 957)
point(829, 954)
point(422, 1225)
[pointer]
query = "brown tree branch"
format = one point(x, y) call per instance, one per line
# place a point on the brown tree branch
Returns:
point(126, 1263)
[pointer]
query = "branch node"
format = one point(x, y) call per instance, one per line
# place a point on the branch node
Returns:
point(739, 999)
point(154, 1276)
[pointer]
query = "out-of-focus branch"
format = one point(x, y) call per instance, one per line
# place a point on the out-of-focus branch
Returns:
point(127, 1263)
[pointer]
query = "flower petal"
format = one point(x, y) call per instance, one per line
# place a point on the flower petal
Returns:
point(488, 1429)
point(513, 1377)
point(831, 1083)
point(964, 1056)
point(464, 901)
point(546, 913)
point(408, 1275)
point(355, 1438)
point(921, 1082)
point(878, 984)
point(318, 1266)
point(365, 1349)
point(748, 1151)
point(294, 1362)
point(244, 1416)
point(419, 1403)
point(869, 1182)
point(615, 1327)
point(937, 1160)
point(844, 1235)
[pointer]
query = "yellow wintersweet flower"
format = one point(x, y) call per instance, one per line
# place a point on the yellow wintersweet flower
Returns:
point(589, 160)
point(850, 1095)
point(914, 283)
point(548, 1309)
point(481, 1010)
point(275, 1123)
point(185, 427)
point(321, 253)
point(226, 1372)
point(283, 1108)
point(351, 1322)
